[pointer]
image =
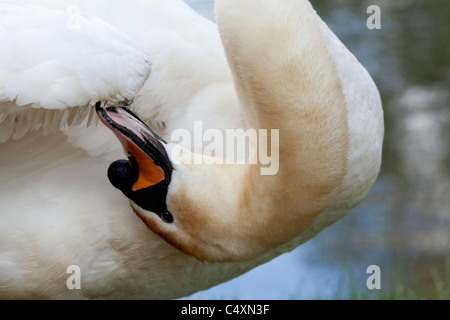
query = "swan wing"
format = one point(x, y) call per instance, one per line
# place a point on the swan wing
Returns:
point(54, 65)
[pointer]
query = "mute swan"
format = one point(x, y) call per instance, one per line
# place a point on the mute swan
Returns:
point(266, 65)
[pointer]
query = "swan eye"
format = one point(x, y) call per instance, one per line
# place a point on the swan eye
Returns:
point(167, 217)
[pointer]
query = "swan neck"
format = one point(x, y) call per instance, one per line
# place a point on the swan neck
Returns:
point(286, 81)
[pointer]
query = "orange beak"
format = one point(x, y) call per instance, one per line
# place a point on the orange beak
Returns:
point(147, 156)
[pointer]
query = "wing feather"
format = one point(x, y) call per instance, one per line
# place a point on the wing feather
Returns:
point(46, 63)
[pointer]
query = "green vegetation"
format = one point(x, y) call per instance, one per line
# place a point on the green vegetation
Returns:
point(431, 285)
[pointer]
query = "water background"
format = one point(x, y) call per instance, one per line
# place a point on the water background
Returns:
point(404, 224)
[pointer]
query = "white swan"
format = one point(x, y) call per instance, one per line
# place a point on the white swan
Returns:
point(282, 68)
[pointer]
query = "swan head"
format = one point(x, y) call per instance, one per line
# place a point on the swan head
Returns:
point(145, 177)
point(306, 85)
point(167, 198)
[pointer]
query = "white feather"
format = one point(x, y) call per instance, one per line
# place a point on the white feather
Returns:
point(56, 206)
point(46, 63)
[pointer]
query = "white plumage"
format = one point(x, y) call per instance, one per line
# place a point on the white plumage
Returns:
point(57, 209)
point(49, 61)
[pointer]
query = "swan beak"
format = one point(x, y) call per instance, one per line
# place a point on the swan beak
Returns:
point(148, 163)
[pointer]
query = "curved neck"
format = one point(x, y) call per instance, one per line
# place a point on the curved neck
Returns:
point(286, 80)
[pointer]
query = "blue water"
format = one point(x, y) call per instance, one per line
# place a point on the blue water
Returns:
point(315, 270)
